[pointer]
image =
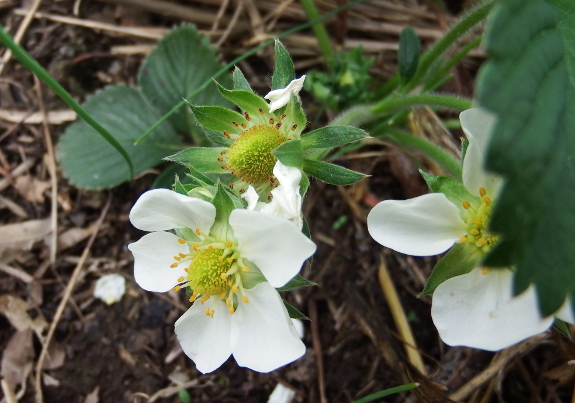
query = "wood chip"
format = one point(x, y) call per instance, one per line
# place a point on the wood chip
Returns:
point(34, 118)
point(18, 358)
point(31, 188)
point(24, 234)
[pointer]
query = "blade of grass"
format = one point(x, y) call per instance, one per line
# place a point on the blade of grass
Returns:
point(388, 392)
point(245, 56)
point(28, 61)
point(318, 29)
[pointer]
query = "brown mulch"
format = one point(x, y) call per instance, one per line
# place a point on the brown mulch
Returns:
point(127, 352)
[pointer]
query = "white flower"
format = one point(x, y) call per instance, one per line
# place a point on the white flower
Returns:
point(110, 288)
point(476, 309)
point(286, 198)
point(282, 96)
point(245, 316)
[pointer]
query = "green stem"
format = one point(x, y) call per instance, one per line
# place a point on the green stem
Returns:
point(28, 61)
point(318, 29)
point(468, 21)
point(438, 76)
point(245, 56)
point(390, 105)
point(388, 392)
point(427, 148)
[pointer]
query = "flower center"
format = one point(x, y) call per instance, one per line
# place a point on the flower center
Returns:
point(250, 156)
point(214, 271)
point(477, 223)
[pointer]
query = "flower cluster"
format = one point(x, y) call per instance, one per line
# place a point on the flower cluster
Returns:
point(473, 305)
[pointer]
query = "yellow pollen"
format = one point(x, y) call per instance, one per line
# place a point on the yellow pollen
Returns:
point(204, 299)
point(484, 271)
point(194, 296)
point(177, 258)
point(180, 279)
point(173, 265)
point(212, 314)
point(186, 269)
point(223, 276)
point(245, 268)
point(475, 231)
point(211, 247)
point(463, 239)
point(198, 232)
point(229, 244)
point(481, 241)
point(195, 247)
point(476, 222)
point(177, 288)
point(180, 240)
point(182, 254)
point(221, 259)
point(207, 311)
point(235, 288)
point(482, 192)
point(230, 260)
point(245, 299)
point(231, 309)
point(465, 204)
point(487, 200)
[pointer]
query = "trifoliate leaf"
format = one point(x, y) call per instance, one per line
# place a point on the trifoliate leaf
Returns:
point(331, 173)
point(178, 65)
point(203, 159)
point(332, 136)
point(90, 162)
point(529, 82)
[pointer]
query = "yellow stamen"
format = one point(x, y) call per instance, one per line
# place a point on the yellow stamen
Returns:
point(481, 241)
point(207, 311)
point(235, 288)
point(212, 314)
point(211, 247)
point(173, 265)
point(195, 247)
point(180, 279)
point(180, 240)
point(194, 296)
point(197, 231)
point(228, 303)
point(177, 258)
point(475, 231)
point(245, 299)
point(229, 244)
point(487, 200)
point(484, 271)
point(177, 288)
point(230, 260)
point(476, 222)
point(223, 276)
point(465, 204)
point(245, 269)
point(221, 259)
point(204, 299)
point(182, 254)
point(463, 239)
point(231, 309)
point(482, 192)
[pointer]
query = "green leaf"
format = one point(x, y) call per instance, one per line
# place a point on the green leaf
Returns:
point(408, 54)
point(462, 258)
point(179, 64)
point(296, 113)
point(199, 178)
point(90, 162)
point(529, 82)
point(562, 327)
point(179, 188)
point(218, 118)
point(217, 137)
point(203, 159)
point(331, 173)
point(284, 71)
point(246, 100)
point(294, 313)
point(240, 82)
point(451, 188)
point(289, 153)
point(332, 136)
point(296, 282)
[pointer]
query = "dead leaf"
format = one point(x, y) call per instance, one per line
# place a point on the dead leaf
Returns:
point(13, 207)
point(564, 374)
point(15, 310)
point(18, 358)
point(73, 236)
point(56, 356)
point(24, 234)
point(31, 188)
point(54, 117)
point(93, 396)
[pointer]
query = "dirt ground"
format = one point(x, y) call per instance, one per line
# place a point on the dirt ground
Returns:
point(127, 352)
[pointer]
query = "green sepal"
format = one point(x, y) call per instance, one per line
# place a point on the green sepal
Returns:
point(331, 173)
point(186, 234)
point(332, 136)
point(296, 282)
point(252, 277)
point(203, 159)
point(562, 327)
point(464, 145)
point(451, 188)
point(289, 153)
point(294, 313)
point(199, 178)
point(295, 112)
point(303, 185)
point(408, 54)
point(461, 259)
point(240, 82)
point(217, 137)
point(224, 206)
point(246, 100)
point(217, 118)
point(179, 188)
point(284, 71)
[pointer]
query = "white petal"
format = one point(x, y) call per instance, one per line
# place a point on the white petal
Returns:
point(282, 96)
point(263, 335)
point(423, 226)
point(204, 339)
point(162, 209)
point(286, 202)
point(478, 310)
point(478, 124)
point(281, 394)
point(565, 313)
point(153, 255)
point(251, 196)
point(276, 246)
point(110, 288)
